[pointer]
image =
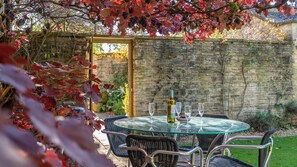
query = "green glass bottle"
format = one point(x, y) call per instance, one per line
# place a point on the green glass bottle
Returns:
point(170, 109)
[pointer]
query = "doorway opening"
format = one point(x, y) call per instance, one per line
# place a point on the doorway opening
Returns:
point(112, 59)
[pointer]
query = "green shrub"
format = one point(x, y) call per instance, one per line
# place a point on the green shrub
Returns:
point(291, 107)
point(114, 102)
point(263, 121)
point(113, 99)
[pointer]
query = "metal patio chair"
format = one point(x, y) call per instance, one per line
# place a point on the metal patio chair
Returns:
point(265, 148)
point(207, 140)
point(155, 151)
point(116, 136)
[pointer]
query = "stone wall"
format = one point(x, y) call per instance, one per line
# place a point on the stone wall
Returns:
point(108, 67)
point(236, 78)
point(57, 46)
point(62, 46)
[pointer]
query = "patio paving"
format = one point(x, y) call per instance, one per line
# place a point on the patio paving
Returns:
point(102, 140)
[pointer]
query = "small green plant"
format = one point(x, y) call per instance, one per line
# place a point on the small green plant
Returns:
point(114, 102)
point(263, 121)
point(291, 107)
point(279, 106)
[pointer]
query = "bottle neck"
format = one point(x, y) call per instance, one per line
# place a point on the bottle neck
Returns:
point(171, 94)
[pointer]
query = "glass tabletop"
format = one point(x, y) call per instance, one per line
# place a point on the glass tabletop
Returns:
point(206, 125)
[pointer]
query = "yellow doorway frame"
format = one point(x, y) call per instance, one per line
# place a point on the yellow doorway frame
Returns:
point(131, 112)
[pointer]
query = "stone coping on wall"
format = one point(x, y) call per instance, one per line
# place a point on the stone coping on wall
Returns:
point(214, 40)
point(116, 37)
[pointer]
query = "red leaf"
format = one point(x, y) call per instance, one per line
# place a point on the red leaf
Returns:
point(105, 12)
point(49, 102)
point(77, 131)
point(93, 67)
point(45, 123)
point(108, 86)
point(50, 91)
point(58, 27)
point(37, 67)
point(16, 77)
point(63, 111)
point(6, 50)
point(92, 93)
point(11, 155)
point(95, 88)
point(95, 79)
point(266, 13)
point(292, 11)
point(56, 64)
point(98, 124)
point(81, 60)
point(24, 37)
point(21, 60)
point(15, 43)
point(52, 158)
point(22, 139)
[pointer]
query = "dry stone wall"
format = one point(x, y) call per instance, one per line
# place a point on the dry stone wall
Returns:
point(236, 78)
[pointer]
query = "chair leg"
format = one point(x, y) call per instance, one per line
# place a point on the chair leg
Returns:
point(193, 159)
point(144, 164)
point(193, 141)
point(129, 162)
point(227, 152)
point(108, 152)
point(175, 136)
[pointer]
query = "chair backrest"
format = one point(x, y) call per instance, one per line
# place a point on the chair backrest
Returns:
point(264, 154)
point(151, 144)
point(116, 140)
point(205, 140)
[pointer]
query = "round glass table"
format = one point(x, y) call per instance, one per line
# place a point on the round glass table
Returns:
point(197, 125)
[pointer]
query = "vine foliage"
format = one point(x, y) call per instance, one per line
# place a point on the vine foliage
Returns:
point(36, 127)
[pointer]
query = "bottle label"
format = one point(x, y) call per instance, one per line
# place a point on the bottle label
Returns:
point(173, 111)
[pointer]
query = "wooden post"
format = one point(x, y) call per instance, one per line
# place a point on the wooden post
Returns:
point(131, 107)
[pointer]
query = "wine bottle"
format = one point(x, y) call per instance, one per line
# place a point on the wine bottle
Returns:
point(170, 109)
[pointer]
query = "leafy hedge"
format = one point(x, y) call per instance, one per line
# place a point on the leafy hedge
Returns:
point(263, 121)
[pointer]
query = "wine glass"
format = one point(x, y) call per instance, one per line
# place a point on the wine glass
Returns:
point(178, 107)
point(188, 111)
point(152, 108)
point(201, 110)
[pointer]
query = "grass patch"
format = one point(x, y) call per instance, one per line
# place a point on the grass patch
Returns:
point(283, 153)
